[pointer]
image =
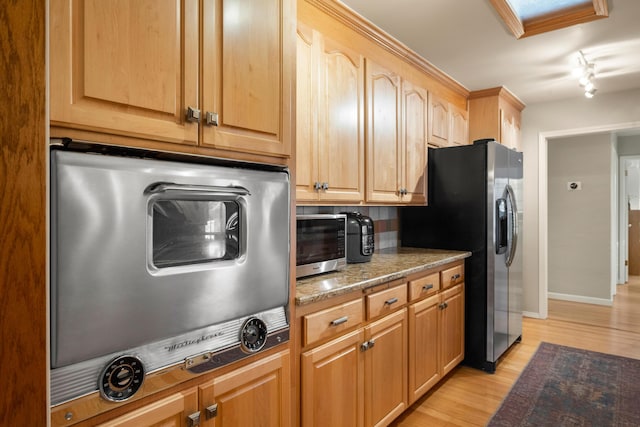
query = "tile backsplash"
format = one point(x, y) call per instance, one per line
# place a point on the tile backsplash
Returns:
point(385, 220)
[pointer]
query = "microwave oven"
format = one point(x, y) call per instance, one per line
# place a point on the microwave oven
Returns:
point(321, 243)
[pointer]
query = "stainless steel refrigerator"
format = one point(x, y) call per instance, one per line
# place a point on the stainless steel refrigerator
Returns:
point(475, 204)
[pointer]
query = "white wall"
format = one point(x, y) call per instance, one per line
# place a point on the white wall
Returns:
point(606, 111)
point(580, 221)
point(629, 145)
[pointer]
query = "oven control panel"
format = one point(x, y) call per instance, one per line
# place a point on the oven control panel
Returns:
point(121, 378)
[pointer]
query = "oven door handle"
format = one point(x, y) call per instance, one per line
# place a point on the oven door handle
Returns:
point(163, 187)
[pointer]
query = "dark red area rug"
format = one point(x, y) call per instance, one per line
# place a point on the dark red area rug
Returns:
point(564, 386)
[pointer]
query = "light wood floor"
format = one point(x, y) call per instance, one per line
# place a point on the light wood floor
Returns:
point(468, 397)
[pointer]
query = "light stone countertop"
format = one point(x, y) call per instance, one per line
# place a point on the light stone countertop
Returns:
point(386, 265)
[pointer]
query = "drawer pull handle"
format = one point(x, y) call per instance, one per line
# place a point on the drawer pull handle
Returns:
point(455, 277)
point(391, 301)
point(427, 287)
point(339, 321)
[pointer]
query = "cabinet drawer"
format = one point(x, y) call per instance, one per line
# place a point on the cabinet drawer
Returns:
point(452, 276)
point(386, 301)
point(332, 321)
point(424, 286)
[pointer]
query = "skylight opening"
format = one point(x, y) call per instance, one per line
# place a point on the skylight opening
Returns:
point(530, 9)
point(526, 18)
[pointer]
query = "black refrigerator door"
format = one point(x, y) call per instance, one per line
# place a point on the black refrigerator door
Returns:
point(456, 219)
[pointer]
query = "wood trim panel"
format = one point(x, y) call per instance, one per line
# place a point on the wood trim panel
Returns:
point(511, 20)
point(500, 91)
point(347, 16)
point(23, 290)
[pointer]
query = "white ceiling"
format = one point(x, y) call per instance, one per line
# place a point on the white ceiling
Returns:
point(467, 40)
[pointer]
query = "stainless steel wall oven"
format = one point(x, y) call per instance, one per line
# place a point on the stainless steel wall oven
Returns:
point(160, 260)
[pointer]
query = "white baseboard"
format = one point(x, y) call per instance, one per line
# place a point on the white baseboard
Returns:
point(580, 298)
point(531, 314)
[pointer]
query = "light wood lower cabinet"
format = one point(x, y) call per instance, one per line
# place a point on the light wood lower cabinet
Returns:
point(172, 411)
point(368, 373)
point(254, 395)
point(424, 346)
point(436, 339)
point(452, 327)
point(385, 375)
point(333, 383)
point(358, 379)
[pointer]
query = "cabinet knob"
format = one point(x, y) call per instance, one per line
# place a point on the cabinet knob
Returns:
point(211, 411)
point(193, 115)
point(325, 186)
point(317, 186)
point(211, 119)
point(193, 420)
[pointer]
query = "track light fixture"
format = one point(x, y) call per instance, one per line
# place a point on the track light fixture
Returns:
point(586, 75)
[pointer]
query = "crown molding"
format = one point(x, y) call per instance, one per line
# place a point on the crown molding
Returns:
point(347, 16)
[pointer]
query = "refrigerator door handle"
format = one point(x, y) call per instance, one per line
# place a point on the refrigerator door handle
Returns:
point(501, 226)
point(514, 225)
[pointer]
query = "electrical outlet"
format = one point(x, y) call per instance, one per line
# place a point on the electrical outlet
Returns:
point(574, 185)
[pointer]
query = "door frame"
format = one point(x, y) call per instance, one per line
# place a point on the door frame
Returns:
point(543, 201)
point(623, 270)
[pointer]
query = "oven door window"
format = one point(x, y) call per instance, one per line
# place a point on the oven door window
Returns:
point(194, 231)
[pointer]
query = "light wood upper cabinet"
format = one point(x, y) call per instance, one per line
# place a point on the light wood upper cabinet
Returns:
point(414, 148)
point(136, 68)
point(495, 113)
point(330, 111)
point(245, 90)
point(396, 139)
point(448, 124)
point(459, 133)
point(125, 67)
point(439, 127)
point(383, 136)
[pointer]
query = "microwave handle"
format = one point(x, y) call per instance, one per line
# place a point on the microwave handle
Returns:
point(163, 187)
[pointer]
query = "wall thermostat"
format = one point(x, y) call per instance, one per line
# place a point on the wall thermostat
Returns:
point(574, 185)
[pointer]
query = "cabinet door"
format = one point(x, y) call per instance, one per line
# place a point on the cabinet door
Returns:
point(341, 123)
point(438, 134)
point(452, 329)
point(332, 386)
point(386, 369)
point(424, 346)
point(248, 51)
point(172, 411)
point(306, 117)
point(125, 67)
point(383, 136)
point(459, 126)
point(254, 395)
point(414, 148)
